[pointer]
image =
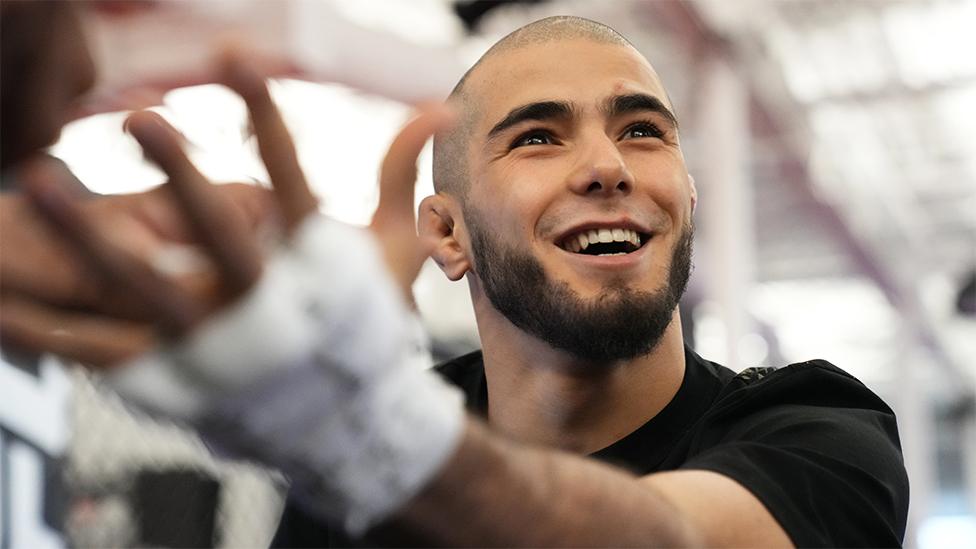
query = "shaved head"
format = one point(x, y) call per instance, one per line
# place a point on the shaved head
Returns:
point(450, 150)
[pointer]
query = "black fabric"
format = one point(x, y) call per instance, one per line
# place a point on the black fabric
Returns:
point(818, 448)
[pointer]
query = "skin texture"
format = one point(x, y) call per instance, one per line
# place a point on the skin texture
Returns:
point(54, 298)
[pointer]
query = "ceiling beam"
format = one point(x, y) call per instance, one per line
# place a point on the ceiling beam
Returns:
point(901, 291)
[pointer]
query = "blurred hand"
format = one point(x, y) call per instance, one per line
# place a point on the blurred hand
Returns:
point(156, 304)
point(394, 223)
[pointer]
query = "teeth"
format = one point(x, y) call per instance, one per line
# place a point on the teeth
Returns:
point(583, 239)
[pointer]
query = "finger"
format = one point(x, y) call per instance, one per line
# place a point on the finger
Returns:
point(255, 203)
point(393, 223)
point(155, 210)
point(398, 174)
point(220, 226)
point(57, 280)
point(34, 260)
point(174, 311)
point(93, 340)
point(274, 141)
point(162, 217)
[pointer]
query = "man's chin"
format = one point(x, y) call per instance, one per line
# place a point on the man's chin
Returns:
point(612, 324)
point(593, 292)
point(596, 320)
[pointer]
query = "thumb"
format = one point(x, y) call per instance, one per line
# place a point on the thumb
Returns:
point(398, 173)
point(393, 223)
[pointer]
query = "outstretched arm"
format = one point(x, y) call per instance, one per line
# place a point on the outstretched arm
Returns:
point(496, 492)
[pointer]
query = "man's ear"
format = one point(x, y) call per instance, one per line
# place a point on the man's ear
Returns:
point(437, 224)
point(694, 193)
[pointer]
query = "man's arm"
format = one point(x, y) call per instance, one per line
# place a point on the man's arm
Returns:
point(496, 492)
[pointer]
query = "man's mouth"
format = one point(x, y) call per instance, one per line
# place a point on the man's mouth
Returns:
point(604, 241)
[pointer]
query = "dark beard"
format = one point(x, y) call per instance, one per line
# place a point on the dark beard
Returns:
point(621, 323)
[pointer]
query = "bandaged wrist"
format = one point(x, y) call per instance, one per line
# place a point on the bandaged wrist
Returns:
point(354, 453)
point(309, 373)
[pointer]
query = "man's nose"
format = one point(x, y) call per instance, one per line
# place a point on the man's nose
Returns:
point(600, 169)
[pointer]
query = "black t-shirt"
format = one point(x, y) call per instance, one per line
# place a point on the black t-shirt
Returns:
point(818, 448)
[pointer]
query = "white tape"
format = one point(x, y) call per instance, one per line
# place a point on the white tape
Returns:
point(236, 348)
point(364, 322)
point(154, 383)
point(355, 453)
point(314, 372)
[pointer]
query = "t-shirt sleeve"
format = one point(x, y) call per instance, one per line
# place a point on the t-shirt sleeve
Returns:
point(820, 451)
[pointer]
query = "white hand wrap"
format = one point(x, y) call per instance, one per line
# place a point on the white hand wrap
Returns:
point(311, 372)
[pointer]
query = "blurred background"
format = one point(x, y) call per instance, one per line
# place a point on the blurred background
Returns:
point(833, 144)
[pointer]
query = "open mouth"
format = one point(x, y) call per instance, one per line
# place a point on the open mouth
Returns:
point(604, 242)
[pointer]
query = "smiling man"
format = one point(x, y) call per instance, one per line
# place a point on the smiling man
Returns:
point(564, 200)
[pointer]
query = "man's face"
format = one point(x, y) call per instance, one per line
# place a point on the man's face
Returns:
point(575, 143)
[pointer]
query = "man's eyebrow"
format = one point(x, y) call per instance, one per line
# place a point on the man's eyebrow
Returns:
point(542, 110)
point(623, 104)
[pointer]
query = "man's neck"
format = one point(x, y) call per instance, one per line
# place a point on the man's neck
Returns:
point(544, 395)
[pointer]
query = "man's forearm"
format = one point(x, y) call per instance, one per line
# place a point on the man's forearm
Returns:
point(496, 492)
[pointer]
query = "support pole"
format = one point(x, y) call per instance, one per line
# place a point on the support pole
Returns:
point(726, 216)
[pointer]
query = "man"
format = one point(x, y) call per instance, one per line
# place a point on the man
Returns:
point(564, 200)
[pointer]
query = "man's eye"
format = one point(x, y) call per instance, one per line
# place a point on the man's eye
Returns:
point(642, 130)
point(533, 138)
